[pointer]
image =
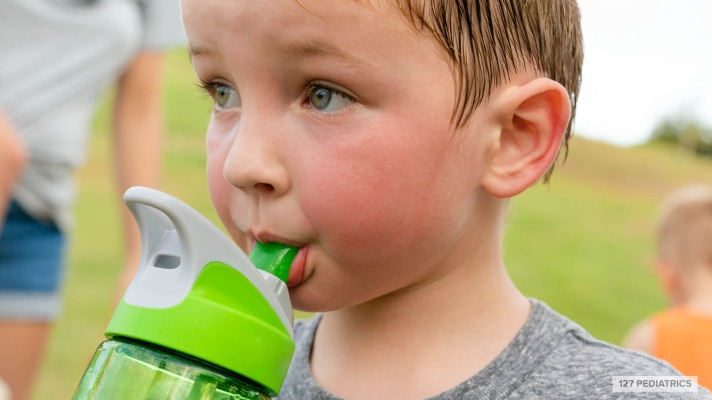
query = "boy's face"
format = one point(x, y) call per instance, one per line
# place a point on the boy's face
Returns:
point(332, 131)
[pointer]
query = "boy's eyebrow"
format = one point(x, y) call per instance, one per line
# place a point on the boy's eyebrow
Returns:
point(323, 47)
point(197, 50)
point(313, 47)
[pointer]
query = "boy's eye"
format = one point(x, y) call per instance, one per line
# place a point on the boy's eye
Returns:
point(226, 97)
point(328, 100)
point(223, 95)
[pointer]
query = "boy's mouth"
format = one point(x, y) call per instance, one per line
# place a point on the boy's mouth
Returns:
point(296, 270)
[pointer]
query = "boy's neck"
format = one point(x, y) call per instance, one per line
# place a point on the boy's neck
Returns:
point(458, 322)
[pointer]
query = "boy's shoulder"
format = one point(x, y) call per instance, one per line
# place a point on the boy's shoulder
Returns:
point(575, 364)
point(551, 357)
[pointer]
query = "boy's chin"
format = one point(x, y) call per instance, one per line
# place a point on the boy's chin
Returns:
point(309, 304)
point(308, 299)
point(313, 299)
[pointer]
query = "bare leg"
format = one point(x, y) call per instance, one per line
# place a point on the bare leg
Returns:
point(22, 345)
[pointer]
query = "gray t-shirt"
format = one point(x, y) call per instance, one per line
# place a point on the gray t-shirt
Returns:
point(58, 56)
point(550, 358)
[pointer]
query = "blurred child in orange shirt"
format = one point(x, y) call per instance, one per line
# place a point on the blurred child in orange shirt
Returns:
point(682, 334)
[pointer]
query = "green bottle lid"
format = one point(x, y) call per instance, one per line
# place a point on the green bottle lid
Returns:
point(197, 293)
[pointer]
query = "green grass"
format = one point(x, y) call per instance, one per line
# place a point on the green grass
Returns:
point(583, 243)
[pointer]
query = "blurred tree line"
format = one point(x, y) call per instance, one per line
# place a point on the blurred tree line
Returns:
point(686, 132)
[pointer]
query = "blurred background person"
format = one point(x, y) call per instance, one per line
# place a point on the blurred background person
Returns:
point(682, 334)
point(58, 56)
point(13, 157)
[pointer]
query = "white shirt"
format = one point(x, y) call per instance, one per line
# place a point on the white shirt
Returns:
point(56, 58)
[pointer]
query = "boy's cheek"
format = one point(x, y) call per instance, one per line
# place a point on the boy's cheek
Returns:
point(220, 194)
point(354, 214)
point(217, 148)
point(216, 180)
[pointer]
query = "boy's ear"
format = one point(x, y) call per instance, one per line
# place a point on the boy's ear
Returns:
point(669, 280)
point(532, 119)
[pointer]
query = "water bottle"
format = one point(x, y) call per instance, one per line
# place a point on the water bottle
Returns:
point(198, 321)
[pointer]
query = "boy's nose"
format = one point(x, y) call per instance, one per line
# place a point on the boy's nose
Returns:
point(254, 162)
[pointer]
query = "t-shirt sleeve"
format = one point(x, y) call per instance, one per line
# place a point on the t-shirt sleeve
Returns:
point(162, 24)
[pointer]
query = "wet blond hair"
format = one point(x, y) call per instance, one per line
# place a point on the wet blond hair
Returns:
point(489, 40)
point(684, 228)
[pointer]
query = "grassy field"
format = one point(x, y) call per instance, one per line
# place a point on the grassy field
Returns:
point(583, 243)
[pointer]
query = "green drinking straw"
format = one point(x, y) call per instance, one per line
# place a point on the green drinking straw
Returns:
point(275, 258)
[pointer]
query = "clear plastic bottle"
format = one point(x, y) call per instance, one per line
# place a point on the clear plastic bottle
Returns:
point(199, 321)
point(122, 369)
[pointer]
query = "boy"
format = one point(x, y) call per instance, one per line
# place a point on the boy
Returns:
point(681, 335)
point(383, 138)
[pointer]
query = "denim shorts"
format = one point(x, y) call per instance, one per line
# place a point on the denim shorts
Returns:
point(31, 267)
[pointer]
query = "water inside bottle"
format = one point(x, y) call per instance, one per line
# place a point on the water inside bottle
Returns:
point(122, 370)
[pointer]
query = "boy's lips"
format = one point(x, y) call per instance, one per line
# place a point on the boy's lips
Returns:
point(271, 238)
point(296, 270)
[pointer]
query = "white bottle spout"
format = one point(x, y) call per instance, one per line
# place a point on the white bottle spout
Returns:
point(177, 242)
